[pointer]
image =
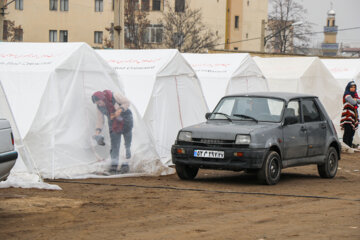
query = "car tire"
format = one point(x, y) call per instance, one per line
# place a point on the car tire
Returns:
point(269, 173)
point(328, 169)
point(185, 172)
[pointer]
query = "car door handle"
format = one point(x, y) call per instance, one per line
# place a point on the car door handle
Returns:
point(303, 129)
point(323, 125)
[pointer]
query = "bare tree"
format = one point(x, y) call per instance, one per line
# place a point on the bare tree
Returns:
point(109, 40)
point(184, 29)
point(12, 33)
point(136, 23)
point(284, 35)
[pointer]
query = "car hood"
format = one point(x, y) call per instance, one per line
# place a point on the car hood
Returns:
point(225, 130)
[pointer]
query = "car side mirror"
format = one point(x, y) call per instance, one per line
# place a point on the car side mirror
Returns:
point(290, 120)
point(207, 115)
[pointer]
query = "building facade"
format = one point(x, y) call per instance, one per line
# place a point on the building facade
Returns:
point(243, 28)
point(235, 22)
point(61, 20)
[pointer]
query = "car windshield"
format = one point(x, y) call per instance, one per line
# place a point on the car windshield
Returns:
point(249, 108)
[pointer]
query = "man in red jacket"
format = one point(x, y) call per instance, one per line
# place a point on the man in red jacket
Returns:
point(120, 120)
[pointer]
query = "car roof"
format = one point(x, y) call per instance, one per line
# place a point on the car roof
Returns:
point(282, 95)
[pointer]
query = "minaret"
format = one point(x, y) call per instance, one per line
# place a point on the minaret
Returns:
point(329, 46)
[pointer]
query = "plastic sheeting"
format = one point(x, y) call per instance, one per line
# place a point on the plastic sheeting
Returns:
point(46, 94)
point(223, 74)
point(165, 89)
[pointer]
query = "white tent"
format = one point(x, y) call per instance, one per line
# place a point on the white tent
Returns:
point(223, 74)
point(45, 91)
point(165, 89)
point(304, 75)
point(344, 70)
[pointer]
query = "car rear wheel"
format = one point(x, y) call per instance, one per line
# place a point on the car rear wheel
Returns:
point(185, 172)
point(329, 168)
point(269, 173)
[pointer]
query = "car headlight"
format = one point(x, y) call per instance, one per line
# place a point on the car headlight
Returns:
point(185, 136)
point(242, 139)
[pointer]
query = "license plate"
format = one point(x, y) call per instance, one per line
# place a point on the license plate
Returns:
point(208, 154)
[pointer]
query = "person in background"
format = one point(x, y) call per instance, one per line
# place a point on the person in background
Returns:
point(350, 116)
point(120, 120)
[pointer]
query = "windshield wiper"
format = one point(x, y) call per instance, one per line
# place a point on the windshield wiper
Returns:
point(246, 116)
point(224, 114)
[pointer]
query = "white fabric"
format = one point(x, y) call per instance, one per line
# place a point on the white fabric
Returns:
point(47, 88)
point(304, 75)
point(165, 89)
point(344, 70)
point(223, 74)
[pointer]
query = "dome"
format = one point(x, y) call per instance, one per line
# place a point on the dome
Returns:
point(331, 12)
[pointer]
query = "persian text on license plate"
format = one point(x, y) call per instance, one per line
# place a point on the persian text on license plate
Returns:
point(208, 154)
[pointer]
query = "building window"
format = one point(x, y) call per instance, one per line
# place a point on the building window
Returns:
point(247, 35)
point(18, 34)
point(5, 31)
point(145, 5)
point(156, 5)
point(53, 5)
point(19, 4)
point(64, 5)
point(248, 2)
point(98, 37)
point(153, 34)
point(63, 36)
point(328, 24)
point(99, 5)
point(53, 36)
point(236, 21)
point(236, 48)
point(179, 5)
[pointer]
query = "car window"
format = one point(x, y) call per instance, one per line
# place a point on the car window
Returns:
point(226, 106)
point(310, 111)
point(293, 110)
point(259, 108)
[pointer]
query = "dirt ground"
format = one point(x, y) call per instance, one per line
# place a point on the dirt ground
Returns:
point(216, 205)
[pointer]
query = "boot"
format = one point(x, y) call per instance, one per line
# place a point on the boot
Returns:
point(128, 153)
point(124, 168)
point(113, 169)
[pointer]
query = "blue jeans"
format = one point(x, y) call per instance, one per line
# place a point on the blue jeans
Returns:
point(115, 145)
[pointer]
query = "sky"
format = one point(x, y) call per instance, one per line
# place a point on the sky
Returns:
point(347, 16)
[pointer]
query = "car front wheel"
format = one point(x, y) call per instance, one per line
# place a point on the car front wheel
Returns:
point(329, 168)
point(185, 172)
point(270, 171)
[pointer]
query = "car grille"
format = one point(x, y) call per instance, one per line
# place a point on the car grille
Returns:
point(211, 142)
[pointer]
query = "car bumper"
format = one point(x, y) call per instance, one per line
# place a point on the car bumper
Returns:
point(7, 161)
point(250, 159)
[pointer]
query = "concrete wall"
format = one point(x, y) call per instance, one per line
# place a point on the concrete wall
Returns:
point(254, 11)
point(250, 13)
point(214, 16)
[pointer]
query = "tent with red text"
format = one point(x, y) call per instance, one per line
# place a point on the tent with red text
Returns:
point(164, 88)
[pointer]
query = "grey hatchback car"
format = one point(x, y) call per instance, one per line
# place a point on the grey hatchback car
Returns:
point(262, 133)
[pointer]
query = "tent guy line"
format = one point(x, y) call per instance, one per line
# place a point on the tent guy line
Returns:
point(208, 191)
